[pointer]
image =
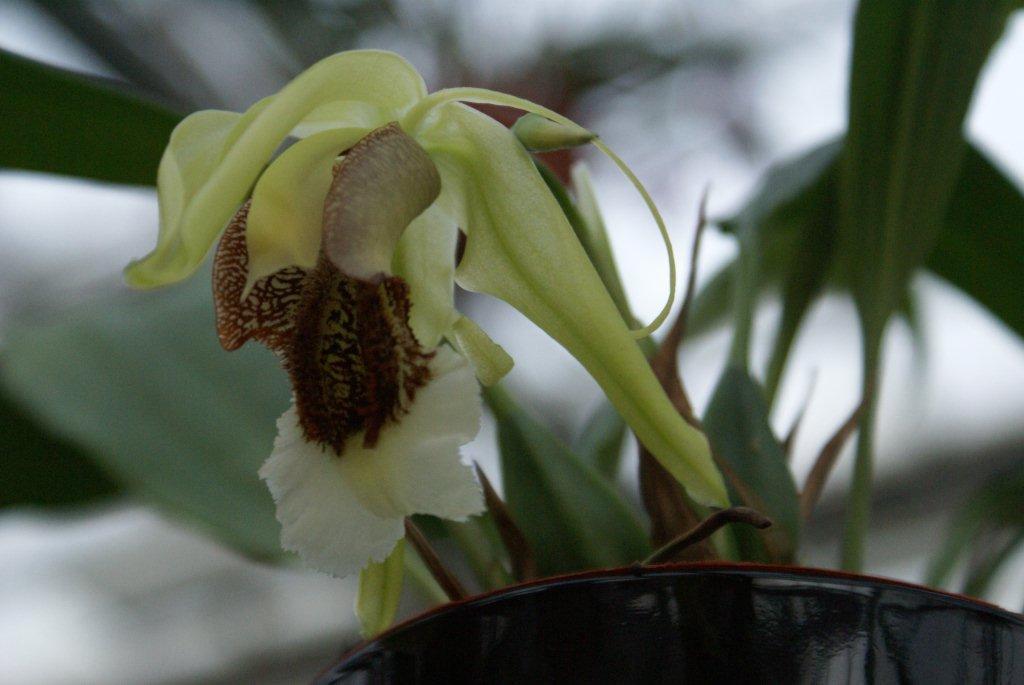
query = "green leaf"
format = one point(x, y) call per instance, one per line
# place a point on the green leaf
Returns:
point(712, 303)
point(65, 123)
point(42, 470)
point(984, 571)
point(481, 547)
point(572, 517)
point(996, 506)
point(141, 382)
point(978, 249)
point(791, 226)
point(789, 193)
point(380, 588)
point(981, 247)
point(599, 443)
point(736, 423)
point(913, 74)
point(792, 215)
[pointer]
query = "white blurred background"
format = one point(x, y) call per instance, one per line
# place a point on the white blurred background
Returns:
point(117, 593)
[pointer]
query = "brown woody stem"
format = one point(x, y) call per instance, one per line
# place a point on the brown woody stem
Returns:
point(826, 461)
point(520, 554)
point(448, 582)
point(706, 528)
point(664, 362)
point(790, 440)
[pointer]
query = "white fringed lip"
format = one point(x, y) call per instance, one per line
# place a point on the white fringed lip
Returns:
point(340, 513)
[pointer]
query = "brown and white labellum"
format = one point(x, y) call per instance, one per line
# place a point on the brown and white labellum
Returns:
point(342, 327)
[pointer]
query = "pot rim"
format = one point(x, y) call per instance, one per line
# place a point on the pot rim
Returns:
point(640, 571)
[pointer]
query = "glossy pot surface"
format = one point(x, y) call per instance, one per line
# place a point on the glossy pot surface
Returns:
point(699, 623)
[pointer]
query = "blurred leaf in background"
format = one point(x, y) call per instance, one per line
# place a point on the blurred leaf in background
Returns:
point(909, 191)
point(756, 468)
point(982, 536)
point(43, 470)
point(914, 71)
point(65, 123)
point(571, 515)
point(977, 249)
point(142, 384)
point(981, 247)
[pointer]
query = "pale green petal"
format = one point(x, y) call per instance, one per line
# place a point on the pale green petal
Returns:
point(380, 588)
point(196, 147)
point(415, 467)
point(521, 249)
point(287, 212)
point(594, 237)
point(203, 204)
point(425, 259)
point(341, 114)
point(489, 359)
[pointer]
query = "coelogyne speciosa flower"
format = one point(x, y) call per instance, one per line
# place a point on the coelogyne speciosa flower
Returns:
point(339, 254)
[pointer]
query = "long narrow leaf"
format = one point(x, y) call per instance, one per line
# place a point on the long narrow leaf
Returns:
point(914, 70)
point(736, 423)
point(599, 442)
point(569, 512)
point(65, 123)
point(981, 247)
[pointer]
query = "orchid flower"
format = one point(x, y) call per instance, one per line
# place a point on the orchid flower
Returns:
point(340, 254)
point(378, 416)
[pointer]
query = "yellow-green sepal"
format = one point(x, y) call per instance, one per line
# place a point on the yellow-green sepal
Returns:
point(520, 248)
point(380, 589)
point(286, 217)
point(425, 259)
point(214, 159)
point(490, 361)
point(195, 150)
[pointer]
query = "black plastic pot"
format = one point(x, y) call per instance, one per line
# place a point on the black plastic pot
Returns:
point(697, 623)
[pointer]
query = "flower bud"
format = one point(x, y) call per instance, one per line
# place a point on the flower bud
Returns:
point(540, 134)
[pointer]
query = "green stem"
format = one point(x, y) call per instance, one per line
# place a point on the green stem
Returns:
point(784, 337)
point(744, 298)
point(487, 568)
point(858, 509)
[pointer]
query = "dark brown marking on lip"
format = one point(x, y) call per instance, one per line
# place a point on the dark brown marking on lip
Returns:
point(355, 363)
point(265, 313)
